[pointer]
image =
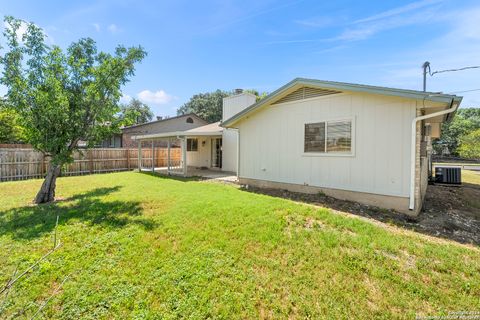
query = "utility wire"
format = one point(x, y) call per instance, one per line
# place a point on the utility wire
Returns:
point(466, 91)
point(450, 70)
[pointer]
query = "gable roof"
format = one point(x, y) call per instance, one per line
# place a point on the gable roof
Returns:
point(212, 129)
point(166, 120)
point(341, 86)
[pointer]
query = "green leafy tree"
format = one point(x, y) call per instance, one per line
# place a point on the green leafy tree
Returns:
point(465, 121)
point(260, 95)
point(11, 130)
point(209, 105)
point(62, 96)
point(470, 145)
point(135, 112)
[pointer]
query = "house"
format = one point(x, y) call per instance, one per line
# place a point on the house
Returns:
point(356, 142)
point(207, 147)
point(178, 123)
point(124, 139)
point(114, 141)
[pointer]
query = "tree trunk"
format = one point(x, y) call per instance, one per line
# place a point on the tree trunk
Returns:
point(47, 191)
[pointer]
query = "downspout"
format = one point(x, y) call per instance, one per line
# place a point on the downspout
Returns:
point(413, 148)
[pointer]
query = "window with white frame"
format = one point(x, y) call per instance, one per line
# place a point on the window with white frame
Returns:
point(192, 144)
point(328, 137)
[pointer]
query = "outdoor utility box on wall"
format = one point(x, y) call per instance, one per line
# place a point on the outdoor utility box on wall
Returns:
point(448, 175)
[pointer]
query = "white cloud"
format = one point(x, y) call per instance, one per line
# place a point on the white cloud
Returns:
point(399, 10)
point(20, 31)
point(423, 12)
point(318, 22)
point(415, 13)
point(113, 28)
point(465, 24)
point(96, 26)
point(157, 97)
point(3, 90)
point(125, 98)
point(331, 49)
point(456, 48)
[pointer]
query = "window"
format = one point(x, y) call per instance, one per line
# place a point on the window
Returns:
point(192, 144)
point(315, 137)
point(328, 137)
point(189, 120)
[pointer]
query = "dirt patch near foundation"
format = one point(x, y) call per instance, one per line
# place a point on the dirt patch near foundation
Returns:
point(451, 212)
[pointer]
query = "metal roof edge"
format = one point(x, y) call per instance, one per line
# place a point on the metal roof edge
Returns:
point(166, 119)
point(239, 94)
point(403, 93)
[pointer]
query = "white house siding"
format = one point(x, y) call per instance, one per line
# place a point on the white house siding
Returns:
point(231, 106)
point(272, 142)
point(202, 157)
point(236, 103)
point(229, 150)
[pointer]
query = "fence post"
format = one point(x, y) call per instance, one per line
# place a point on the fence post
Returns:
point(90, 157)
point(153, 156)
point(87, 162)
point(168, 157)
point(42, 166)
point(139, 155)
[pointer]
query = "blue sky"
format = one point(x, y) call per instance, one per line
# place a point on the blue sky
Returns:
point(199, 46)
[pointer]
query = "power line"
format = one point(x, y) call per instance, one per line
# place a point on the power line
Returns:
point(451, 70)
point(428, 70)
point(464, 91)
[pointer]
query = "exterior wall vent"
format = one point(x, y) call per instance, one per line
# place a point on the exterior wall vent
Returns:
point(306, 93)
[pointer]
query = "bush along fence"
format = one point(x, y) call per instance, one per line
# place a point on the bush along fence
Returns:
point(21, 164)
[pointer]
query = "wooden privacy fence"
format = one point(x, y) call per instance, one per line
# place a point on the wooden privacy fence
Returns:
point(21, 164)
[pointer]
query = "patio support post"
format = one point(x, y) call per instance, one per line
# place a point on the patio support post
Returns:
point(168, 156)
point(153, 156)
point(139, 155)
point(184, 155)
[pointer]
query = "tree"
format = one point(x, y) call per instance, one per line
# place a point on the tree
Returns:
point(135, 112)
point(62, 96)
point(11, 130)
point(470, 145)
point(209, 105)
point(465, 121)
point(259, 95)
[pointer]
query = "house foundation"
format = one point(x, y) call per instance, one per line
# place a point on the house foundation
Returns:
point(399, 204)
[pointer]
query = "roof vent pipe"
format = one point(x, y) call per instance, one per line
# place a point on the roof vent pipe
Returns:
point(238, 91)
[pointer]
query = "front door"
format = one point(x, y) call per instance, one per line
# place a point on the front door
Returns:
point(217, 153)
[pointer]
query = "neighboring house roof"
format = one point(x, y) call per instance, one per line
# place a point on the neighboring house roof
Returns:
point(164, 120)
point(212, 129)
point(341, 86)
point(208, 129)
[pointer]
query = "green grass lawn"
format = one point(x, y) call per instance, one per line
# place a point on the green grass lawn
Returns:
point(472, 177)
point(141, 246)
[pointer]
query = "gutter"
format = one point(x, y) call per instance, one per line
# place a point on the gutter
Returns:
point(413, 150)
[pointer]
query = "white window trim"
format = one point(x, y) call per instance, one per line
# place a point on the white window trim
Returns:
point(331, 154)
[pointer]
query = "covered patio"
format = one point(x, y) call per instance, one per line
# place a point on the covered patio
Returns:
point(200, 153)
